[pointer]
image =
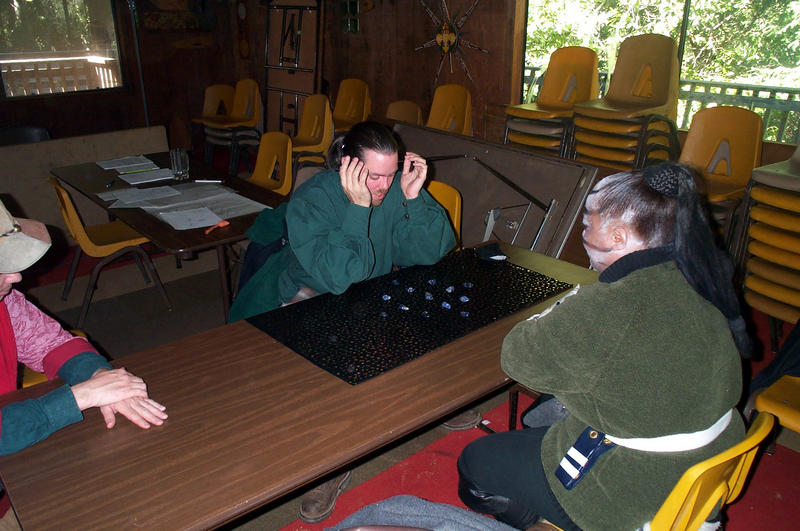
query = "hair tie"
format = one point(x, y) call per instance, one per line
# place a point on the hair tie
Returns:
point(663, 178)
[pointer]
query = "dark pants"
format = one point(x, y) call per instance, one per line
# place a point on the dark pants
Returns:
point(502, 475)
point(256, 256)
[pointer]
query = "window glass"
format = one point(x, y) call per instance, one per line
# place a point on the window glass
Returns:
point(736, 52)
point(53, 46)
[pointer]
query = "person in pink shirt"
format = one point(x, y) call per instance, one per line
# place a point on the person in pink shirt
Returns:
point(29, 336)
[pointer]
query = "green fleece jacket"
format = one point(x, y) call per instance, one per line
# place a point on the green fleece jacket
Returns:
point(640, 354)
point(334, 243)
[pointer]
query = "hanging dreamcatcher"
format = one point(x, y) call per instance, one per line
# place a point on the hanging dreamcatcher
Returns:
point(449, 38)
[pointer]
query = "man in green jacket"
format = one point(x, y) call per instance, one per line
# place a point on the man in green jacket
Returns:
point(345, 225)
point(350, 223)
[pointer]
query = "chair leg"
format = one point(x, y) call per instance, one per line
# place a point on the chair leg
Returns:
point(153, 274)
point(513, 401)
point(73, 268)
point(233, 163)
point(775, 333)
point(87, 298)
point(141, 267)
point(208, 153)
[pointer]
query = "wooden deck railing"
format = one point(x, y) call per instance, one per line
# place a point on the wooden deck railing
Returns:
point(779, 107)
point(26, 76)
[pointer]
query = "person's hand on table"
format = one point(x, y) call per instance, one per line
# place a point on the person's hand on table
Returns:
point(412, 179)
point(118, 391)
point(141, 411)
point(353, 176)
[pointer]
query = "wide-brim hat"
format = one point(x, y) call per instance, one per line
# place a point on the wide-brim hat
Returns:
point(22, 242)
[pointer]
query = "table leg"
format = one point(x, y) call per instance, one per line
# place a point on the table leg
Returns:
point(224, 281)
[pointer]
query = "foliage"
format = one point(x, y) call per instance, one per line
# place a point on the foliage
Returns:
point(41, 25)
point(752, 41)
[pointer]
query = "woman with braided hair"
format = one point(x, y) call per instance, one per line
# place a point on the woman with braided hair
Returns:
point(647, 361)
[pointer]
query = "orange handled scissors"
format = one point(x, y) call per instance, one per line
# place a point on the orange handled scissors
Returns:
point(223, 223)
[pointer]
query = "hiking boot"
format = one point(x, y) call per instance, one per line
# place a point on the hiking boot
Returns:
point(463, 421)
point(318, 503)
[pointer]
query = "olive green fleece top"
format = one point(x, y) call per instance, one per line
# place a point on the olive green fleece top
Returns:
point(639, 354)
point(334, 243)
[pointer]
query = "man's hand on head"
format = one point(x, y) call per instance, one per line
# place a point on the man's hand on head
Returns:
point(415, 171)
point(353, 175)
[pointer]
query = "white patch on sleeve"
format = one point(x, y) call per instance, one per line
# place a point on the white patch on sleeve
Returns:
point(549, 309)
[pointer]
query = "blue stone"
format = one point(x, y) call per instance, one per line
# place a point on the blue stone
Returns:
point(403, 307)
point(384, 315)
point(464, 314)
point(395, 282)
point(463, 298)
point(467, 285)
point(432, 282)
point(428, 296)
point(446, 305)
point(449, 289)
point(386, 297)
point(410, 289)
point(425, 314)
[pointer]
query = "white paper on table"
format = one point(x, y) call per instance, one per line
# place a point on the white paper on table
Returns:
point(149, 176)
point(127, 197)
point(190, 219)
point(122, 162)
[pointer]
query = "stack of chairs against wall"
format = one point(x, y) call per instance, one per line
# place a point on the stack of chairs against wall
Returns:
point(634, 123)
point(352, 106)
point(767, 245)
point(723, 146)
point(451, 110)
point(546, 124)
point(241, 126)
point(314, 133)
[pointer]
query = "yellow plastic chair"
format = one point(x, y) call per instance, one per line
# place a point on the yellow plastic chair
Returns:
point(108, 241)
point(767, 250)
point(571, 77)
point(217, 98)
point(711, 483)
point(782, 399)
point(638, 111)
point(238, 128)
point(724, 146)
point(450, 199)
point(353, 104)
point(451, 110)
point(315, 132)
point(404, 111)
point(274, 163)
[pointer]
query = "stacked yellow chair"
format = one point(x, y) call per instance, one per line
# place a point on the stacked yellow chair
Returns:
point(353, 104)
point(782, 399)
point(724, 146)
point(546, 124)
point(634, 123)
point(273, 169)
point(451, 110)
point(404, 111)
point(769, 243)
point(217, 102)
point(314, 133)
point(238, 128)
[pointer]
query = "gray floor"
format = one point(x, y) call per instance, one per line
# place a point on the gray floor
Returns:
point(126, 316)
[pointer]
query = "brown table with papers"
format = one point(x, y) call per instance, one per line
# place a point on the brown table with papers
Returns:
point(249, 421)
point(90, 179)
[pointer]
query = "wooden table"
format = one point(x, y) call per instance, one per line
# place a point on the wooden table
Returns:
point(90, 179)
point(249, 421)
